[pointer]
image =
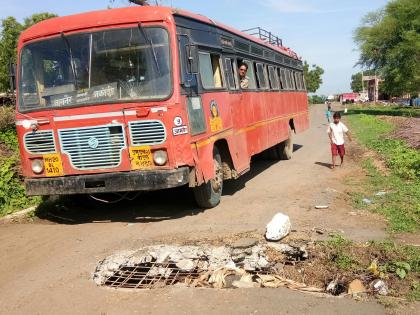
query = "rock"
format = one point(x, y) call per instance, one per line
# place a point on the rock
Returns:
point(241, 251)
point(218, 257)
point(379, 286)
point(278, 227)
point(229, 279)
point(245, 243)
point(291, 252)
point(185, 264)
point(335, 287)
point(356, 287)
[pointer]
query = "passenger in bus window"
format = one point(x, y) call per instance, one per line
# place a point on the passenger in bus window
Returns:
point(243, 68)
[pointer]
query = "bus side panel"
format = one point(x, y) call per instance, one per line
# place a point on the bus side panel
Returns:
point(301, 120)
point(240, 117)
point(256, 137)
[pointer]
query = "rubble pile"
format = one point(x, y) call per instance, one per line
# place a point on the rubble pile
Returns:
point(244, 264)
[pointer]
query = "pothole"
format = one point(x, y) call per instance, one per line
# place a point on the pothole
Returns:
point(244, 264)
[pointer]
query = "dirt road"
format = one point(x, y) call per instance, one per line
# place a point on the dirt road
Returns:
point(47, 265)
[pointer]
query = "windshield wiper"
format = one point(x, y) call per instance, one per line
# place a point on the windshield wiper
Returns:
point(70, 52)
point(141, 29)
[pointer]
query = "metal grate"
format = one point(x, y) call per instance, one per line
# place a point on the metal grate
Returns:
point(93, 147)
point(151, 275)
point(147, 132)
point(39, 142)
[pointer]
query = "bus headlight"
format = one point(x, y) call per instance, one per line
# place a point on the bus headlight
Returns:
point(160, 157)
point(37, 166)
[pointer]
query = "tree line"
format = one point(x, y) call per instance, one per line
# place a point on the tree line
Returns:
point(389, 45)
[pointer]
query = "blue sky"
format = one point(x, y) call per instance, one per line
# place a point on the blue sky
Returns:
point(320, 31)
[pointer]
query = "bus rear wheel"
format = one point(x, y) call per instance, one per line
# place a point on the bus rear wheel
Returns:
point(285, 148)
point(208, 194)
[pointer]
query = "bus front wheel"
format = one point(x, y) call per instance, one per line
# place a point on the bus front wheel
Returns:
point(208, 194)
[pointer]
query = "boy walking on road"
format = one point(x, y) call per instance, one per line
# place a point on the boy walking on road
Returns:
point(336, 131)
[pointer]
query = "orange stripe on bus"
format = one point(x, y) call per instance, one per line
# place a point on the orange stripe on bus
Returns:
point(259, 124)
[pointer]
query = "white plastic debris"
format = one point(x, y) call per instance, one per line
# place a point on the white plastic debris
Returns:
point(379, 286)
point(367, 201)
point(278, 227)
point(380, 193)
point(321, 207)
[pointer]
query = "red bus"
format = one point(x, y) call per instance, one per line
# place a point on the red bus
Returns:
point(148, 98)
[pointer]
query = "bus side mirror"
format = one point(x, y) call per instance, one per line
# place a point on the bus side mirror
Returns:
point(12, 75)
point(192, 55)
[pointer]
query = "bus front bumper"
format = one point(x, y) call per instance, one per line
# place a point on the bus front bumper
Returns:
point(107, 182)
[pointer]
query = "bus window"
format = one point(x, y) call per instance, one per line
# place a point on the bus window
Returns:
point(274, 79)
point(303, 82)
point(292, 79)
point(261, 76)
point(299, 80)
point(231, 73)
point(210, 70)
point(288, 81)
point(283, 79)
point(249, 73)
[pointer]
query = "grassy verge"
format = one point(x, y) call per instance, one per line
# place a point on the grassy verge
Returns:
point(12, 192)
point(372, 109)
point(398, 266)
point(401, 201)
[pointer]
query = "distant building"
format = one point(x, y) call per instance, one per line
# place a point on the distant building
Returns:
point(372, 86)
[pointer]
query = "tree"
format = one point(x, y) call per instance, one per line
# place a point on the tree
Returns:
point(389, 42)
point(10, 30)
point(9, 34)
point(313, 77)
point(36, 18)
point(356, 80)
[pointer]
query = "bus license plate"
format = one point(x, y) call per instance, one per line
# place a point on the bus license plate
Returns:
point(53, 165)
point(141, 157)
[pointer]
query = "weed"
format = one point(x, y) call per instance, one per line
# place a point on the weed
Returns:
point(401, 203)
point(12, 192)
point(397, 265)
point(414, 294)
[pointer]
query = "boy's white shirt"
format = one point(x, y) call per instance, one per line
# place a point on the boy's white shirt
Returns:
point(337, 132)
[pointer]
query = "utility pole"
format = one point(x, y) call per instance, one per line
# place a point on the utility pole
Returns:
point(363, 88)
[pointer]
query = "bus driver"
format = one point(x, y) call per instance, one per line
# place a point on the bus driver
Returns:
point(243, 68)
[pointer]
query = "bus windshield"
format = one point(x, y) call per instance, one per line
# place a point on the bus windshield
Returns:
point(115, 65)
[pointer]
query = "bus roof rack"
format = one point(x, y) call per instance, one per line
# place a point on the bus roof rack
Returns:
point(265, 36)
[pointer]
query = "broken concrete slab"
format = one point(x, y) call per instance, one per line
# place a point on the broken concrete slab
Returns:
point(244, 243)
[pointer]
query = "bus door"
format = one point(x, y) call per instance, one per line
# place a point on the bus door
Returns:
point(239, 112)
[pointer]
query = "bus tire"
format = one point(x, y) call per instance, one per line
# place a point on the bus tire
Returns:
point(285, 148)
point(208, 194)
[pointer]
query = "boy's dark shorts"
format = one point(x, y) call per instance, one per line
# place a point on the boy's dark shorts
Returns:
point(338, 149)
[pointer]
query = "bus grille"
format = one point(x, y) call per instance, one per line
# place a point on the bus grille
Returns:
point(147, 132)
point(93, 147)
point(40, 142)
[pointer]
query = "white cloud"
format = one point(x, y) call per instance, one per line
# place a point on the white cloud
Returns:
point(288, 6)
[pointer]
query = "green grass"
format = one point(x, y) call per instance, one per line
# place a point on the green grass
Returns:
point(355, 260)
point(401, 204)
point(372, 109)
point(12, 192)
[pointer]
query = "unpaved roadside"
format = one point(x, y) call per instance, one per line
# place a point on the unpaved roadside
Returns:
point(47, 266)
